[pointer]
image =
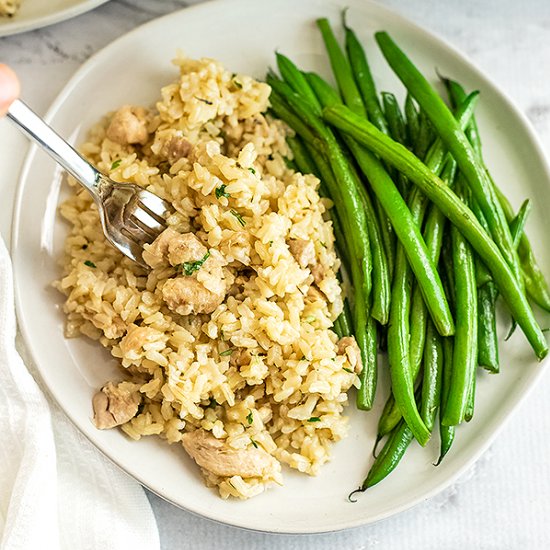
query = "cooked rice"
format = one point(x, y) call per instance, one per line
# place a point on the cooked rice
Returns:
point(9, 7)
point(289, 398)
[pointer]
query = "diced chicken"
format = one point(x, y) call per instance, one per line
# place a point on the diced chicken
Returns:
point(174, 248)
point(115, 405)
point(303, 251)
point(186, 295)
point(318, 272)
point(348, 346)
point(216, 457)
point(185, 248)
point(177, 148)
point(128, 126)
point(155, 254)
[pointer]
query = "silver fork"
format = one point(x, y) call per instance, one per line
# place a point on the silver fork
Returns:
point(130, 216)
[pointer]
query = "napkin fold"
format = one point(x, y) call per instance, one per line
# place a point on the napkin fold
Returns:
point(56, 490)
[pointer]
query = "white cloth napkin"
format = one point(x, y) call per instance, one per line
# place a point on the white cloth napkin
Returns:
point(56, 490)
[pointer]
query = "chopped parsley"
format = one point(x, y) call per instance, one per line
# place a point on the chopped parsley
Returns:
point(190, 267)
point(220, 192)
point(89, 264)
point(252, 170)
point(204, 100)
point(236, 82)
point(249, 417)
point(324, 245)
point(239, 217)
point(227, 352)
point(347, 370)
point(212, 403)
point(116, 164)
point(314, 419)
point(253, 443)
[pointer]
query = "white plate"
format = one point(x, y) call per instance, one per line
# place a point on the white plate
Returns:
point(244, 34)
point(35, 14)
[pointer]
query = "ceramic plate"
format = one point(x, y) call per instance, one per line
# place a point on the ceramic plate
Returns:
point(35, 14)
point(243, 34)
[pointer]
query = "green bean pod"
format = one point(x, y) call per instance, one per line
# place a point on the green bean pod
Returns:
point(412, 118)
point(431, 380)
point(465, 340)
point(446, 433)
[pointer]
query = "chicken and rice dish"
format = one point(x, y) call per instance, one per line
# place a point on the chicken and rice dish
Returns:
point(225, 343)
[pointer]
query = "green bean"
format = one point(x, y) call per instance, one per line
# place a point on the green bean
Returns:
point(413, 124)
point(446, 433)
point(457, 143)
point(345, 320)
point(394, 116)
point(361, 73)
point(363, 77)
point(337, 328)
point(465, 341)
point(487, 354)
point(433, 373)
point(469, 412)
point(453, 208)
point(425, 135)
point(340, 67)
point(535, 282)
point(368, 376)
point(517, 225)
point(398, 348)
point(295, 79)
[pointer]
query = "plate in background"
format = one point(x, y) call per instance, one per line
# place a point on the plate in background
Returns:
point(35, 14)
point(243, 34)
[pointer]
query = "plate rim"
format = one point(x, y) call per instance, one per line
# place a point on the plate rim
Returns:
point(12, 26)
point(535, 143)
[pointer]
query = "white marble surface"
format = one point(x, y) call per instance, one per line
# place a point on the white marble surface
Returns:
point(503, 502)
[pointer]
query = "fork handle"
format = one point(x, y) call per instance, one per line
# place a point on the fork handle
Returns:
point(45, 136)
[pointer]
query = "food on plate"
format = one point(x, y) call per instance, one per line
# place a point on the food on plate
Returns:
point(239, 342)
point(9, 7)
point(226, 343)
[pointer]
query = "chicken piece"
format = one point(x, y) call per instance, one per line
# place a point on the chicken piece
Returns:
point(128, 126)
point(186, 295)
point(216, 457)
point(348, 346)
point(174, 248)
point(318, 272)
point(154, 254)
point(303, 251)
point(115, 405)
point(177, 148)
point(185, 248)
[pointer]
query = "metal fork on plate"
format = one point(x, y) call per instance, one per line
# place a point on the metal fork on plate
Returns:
point(130, 216)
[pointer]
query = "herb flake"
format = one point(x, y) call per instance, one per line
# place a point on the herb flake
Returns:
point(347, 370)
point(116, 164)
point(253, 443)
point(249, 417)
point(252, 171)
point(227, 352)
point(239, 217)
point(190, 267)
point(220, 192)
point(314, 419)
point(90, 264)
point(204, 100)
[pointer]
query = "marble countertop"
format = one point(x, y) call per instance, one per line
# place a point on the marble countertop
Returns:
point(503, 501)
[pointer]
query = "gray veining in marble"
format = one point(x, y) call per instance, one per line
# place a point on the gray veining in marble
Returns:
point(503, 502)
